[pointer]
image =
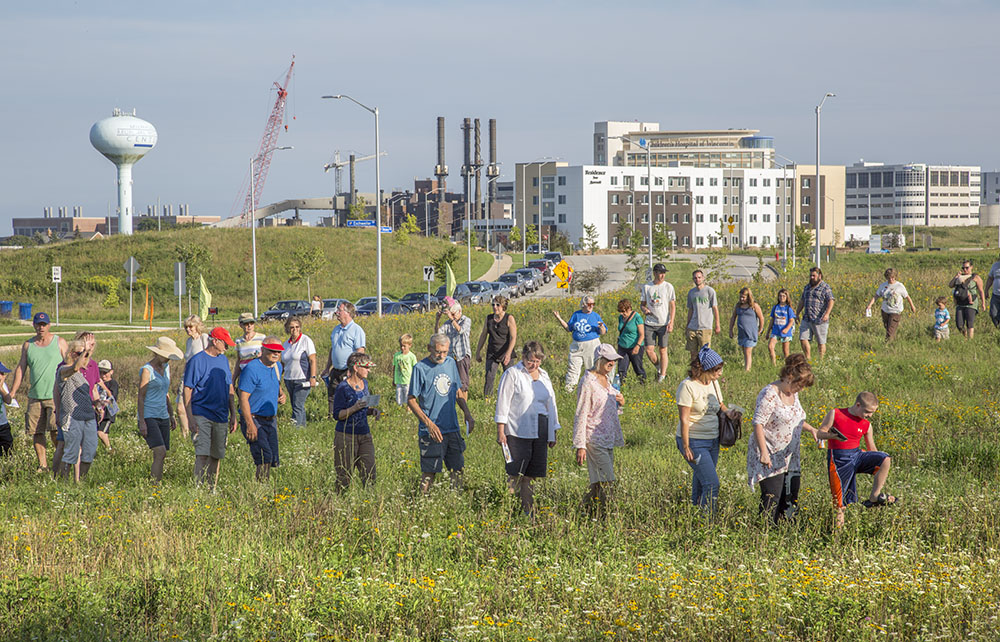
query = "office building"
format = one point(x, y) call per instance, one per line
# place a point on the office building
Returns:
point(616, 144)
point(913, 194)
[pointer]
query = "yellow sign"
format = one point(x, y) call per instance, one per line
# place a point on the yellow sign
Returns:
point(731, 228)
point(564, 273)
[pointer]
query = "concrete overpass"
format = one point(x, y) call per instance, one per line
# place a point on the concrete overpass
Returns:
point(267, 211)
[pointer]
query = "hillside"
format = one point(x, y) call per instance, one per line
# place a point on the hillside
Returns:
point(345, 268)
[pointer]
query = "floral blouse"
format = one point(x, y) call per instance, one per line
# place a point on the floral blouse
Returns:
point(596, 420)
point(782, 433)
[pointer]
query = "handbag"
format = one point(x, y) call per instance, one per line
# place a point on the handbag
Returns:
point(730, 424)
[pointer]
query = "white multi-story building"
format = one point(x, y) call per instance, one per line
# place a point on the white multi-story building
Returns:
point(913, 194)
point(989, 188)
point(725, 148)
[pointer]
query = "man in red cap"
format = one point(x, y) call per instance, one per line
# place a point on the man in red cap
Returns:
point(208, 397)
point(259, 394)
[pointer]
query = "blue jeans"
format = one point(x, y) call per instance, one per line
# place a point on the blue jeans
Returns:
point(705, 481)
point(297, 394)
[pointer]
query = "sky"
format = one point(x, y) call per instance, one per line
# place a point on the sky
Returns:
point(914, 83)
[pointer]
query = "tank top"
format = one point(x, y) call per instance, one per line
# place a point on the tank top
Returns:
point(42, 364)
point(498, 337)
point(154, 406)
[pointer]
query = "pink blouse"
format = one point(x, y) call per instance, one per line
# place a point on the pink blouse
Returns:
point(596, 420)
point(782, 433)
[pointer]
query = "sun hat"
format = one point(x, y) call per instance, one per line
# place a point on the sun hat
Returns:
point(273, 347)
point(165, 347)
point(104, 364)
point(222, 334)
point(605, 350)
point(709, 358)
point(247, 317)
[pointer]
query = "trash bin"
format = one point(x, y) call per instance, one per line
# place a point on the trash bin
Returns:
point(6, 308)
point(25, 310)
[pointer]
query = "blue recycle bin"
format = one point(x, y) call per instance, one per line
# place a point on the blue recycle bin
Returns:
point(25, 310)
point(6, 308)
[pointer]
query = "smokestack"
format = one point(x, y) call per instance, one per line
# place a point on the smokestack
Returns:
point(478, 164)
point(350, 197)
point(492, 170)
point(467, 165)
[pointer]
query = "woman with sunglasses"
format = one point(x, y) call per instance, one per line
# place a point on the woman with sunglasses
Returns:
point(299, 362)
point(352, 443)
point(586, 326)
point(500, 336)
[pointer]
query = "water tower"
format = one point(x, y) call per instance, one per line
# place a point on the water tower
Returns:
point(123, 139)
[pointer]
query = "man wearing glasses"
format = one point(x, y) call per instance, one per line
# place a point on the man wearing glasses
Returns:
point(40, 356)
point(260, 393)
point(208, 397)
point(967, 290)
point(586, 327)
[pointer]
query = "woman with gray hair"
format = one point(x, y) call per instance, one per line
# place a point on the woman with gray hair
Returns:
point(527, 421)
point(586, 326)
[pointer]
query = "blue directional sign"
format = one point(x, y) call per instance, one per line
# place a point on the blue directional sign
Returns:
point(386, 229)
point(360, 222)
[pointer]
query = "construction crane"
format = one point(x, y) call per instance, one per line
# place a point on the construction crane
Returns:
point(263, 158)
point(338, 166)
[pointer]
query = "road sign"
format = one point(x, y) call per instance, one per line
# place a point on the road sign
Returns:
point(563, 273)
point(132, 266)
point(361, 222)
point(731, 228)
point(428, 273)
point(57, 274)
point(386, 229)
point(180, 282)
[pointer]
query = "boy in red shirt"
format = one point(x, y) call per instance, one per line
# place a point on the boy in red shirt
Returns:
point(845, 459)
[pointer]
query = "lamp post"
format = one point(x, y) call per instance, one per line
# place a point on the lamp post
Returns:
point(388, 204)
point(253, 222)
point(819, 200)
point(644, 144)
point(524, 215)
point(378, 198)
point(784, 219)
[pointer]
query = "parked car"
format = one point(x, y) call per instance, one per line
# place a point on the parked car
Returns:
point(518, 284)
point(502, 289)
point(555, 257)
point(329, 311)
point(532, 275)
point(420, 300)
point(282, 310)
point(391, 307)
point(533, 249)
point(544, 267)
point(468, 293)
point(371, 299)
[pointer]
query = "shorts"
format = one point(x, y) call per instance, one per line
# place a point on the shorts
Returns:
point(941, 333)
point(211, 438)
point(781, 339)
point(6, 440)
point(747, 342)
point(402, 393)
point(600, 464)
point(655, 335)
point(463, 370)
point(843, 467)
point(157, 432)
point(809, 328)
point(449, 452)
point(263, 450)
point(698, 338)
point(81, 441)
point(965, 317)
point(529, 457)
point(40, 416)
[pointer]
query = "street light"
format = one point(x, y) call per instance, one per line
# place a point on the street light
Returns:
point(378, 197)
point(388, 204)
point(253, 221)
point(644, 144)
point(819, 201)
point(524, 216)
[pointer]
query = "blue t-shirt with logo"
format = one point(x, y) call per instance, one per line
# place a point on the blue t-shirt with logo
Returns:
point(434, 385)
point(263, 385)
point(209, 379)
point(781, 314)
point(584, 325)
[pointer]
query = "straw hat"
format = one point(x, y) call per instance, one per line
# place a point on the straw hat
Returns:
point(165, 347)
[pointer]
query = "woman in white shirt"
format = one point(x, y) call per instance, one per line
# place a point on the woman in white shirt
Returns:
point(893, 295)
point(698, 402)
point(298, 360)
point(527, 422)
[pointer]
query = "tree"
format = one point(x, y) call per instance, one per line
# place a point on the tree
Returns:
point(514, 237)
point(195, 258)
point(406, 227)
point(590, 242)
point(357, 209)
point(448, 257)
point(531, 235)
point(304, 264)
point(591, 280)
point(559, 243)
point(803, 242)
point(716, 265)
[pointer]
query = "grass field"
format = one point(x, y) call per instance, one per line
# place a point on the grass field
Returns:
point(345, 269)
point(120, 559)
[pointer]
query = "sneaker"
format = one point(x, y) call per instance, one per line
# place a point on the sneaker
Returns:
point(660, 378)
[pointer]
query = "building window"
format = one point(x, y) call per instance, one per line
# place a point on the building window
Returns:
point(767, 182)
point(645, 218)
point(700, 240)
point(629, 200)
point(673, 199)
point(766, 240)
point(863, 181)
point(614, 241)
point(614, 199)
point(753, 200)
point(752, 240)
point(645, 199)
point(659, 199)
point(562, 180)
point(767, 200)
point(687, 241)
point(687, 199)
point(699, 181)
point(805, 217)
point(658, 180)
point(534, 200)
point(852, 181)
point(614, 217)
point(875, 179)
point(806, 200)
point(562, 199)
point(807, 183)
point(614, 180)
point(645, 241)
point(767, 218)
point(534, 181)
point(725, 200)
point(643, 181)
point(753, 218)
point(631, 218)
point(699, 218)
point(687, 217)
point(777, 200)
point(673, 218)
point(713, 200)
point(659, 217)
point(753, 182)
point(713, 182)
point(886, 179)
point(699, 200)
point(534, 219)
point(562, 218)
point(713, 218)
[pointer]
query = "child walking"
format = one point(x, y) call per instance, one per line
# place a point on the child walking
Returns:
point(402, 367)
point(748, 320)
point(941, 319)
point(782, 325)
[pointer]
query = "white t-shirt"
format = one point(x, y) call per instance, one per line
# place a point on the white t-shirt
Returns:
point(892, 296)
point(657, 299)
point(995, 273)
point(295, 358)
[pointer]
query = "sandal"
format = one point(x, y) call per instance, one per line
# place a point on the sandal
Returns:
point(883, 499)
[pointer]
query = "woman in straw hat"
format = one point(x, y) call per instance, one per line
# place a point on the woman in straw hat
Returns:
point(156, 417)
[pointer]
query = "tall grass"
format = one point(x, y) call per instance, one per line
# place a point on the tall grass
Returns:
point(118, 558)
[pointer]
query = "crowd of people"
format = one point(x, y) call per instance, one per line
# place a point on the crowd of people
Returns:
point(72, 400)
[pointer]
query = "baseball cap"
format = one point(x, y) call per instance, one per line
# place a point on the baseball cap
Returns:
point(222, 334)
point(247, 317)
point(4, 369)
point(40, 317)
point(273, 347)
point(605, 350)
point(104, 364)
point(659, 267)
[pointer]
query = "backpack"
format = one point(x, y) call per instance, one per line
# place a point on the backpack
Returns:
point(964, 292)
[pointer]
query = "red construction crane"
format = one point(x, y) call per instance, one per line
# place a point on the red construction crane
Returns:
point(263, 158)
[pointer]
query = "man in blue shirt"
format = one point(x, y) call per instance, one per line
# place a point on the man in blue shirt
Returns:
point(260, 393)
point(434, 385)
point(208, 398)
point(586, 327)
point(346, 339)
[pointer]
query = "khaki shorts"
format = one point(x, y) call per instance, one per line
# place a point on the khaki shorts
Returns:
point(600, 464)
point(40, 417)
point(211, 438)
point(697, 338)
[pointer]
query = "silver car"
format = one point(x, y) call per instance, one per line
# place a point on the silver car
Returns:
point(518, 284)
point(502, 289)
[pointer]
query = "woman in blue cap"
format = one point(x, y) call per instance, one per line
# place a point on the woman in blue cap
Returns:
point(698, 402)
